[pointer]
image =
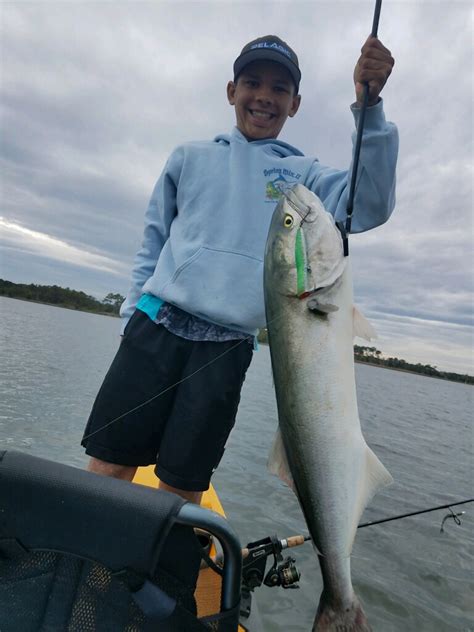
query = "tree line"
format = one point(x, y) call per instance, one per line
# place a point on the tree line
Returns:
point(372, 355)
point(62, 297)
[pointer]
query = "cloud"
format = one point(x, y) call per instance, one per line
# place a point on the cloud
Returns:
point(96, 95)
point(448, 346)
point(27, 241)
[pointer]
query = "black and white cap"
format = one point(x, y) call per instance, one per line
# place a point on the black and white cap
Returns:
point(269, 48)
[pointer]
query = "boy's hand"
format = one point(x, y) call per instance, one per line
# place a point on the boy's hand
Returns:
point(374, 67)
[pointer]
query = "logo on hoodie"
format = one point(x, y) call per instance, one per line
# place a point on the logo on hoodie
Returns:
point(279, 181)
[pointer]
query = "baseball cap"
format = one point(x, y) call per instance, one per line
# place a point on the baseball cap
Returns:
point(270, 48)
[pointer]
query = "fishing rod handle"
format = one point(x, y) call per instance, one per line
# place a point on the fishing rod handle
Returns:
point(286, 543)
point(294, 540)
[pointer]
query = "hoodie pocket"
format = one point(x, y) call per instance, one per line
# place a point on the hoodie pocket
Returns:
point(223, 286)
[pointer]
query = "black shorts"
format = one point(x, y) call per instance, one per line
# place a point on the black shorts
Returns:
point(169, 401)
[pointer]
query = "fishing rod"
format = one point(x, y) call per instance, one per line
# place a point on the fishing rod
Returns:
point(416, 513)
point(360, 128)
point(284, 572)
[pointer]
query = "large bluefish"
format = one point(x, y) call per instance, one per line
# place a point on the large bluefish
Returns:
point(320, 450)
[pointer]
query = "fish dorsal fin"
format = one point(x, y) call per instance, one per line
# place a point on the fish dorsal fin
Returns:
point(278, 462)
point(361, 327)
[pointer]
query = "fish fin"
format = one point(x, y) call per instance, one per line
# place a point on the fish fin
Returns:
point(360, 325)
point(350, 617)
point(321, 308)
point(375, 477)
point(278, 462)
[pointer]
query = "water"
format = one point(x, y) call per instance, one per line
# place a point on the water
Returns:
point(409, 576)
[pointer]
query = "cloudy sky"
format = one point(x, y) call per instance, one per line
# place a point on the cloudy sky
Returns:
point(95, 95)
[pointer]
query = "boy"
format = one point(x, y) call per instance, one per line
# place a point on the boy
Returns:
point(196, 300)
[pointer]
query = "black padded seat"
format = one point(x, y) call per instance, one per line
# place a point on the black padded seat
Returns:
point(86, 553)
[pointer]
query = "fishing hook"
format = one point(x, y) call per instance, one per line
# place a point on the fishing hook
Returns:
point(454, 516)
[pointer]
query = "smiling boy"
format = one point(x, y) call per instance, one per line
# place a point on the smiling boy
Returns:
point(196, 300)
point(264, 96)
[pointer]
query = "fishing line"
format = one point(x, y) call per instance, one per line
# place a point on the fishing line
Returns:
point(168, 388)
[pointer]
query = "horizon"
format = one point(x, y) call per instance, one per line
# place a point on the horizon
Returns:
point(101, 301)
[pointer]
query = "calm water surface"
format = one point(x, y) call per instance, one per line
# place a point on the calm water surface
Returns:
point(409, 576)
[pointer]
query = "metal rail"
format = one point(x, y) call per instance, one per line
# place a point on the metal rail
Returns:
point(195, 516)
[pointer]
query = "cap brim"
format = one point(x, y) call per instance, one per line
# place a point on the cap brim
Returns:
point(262, 54)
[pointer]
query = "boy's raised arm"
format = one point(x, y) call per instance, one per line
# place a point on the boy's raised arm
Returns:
point(375, 189)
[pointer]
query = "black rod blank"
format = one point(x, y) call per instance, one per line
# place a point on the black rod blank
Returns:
point(415, 513)
point(360, 129)
point(308, 538)
point(375, 23)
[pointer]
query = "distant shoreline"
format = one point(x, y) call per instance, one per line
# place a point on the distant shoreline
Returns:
point(57, 296)
point(394, 368)
point(467, 378)
point(69, 307)
point(364, 355)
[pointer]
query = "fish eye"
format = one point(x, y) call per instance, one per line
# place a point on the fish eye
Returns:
point(288, 221)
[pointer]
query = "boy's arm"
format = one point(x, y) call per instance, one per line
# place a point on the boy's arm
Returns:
point(158, 218)
point(375, 188)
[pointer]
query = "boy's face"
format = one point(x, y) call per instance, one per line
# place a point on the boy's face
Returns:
point(264, 97)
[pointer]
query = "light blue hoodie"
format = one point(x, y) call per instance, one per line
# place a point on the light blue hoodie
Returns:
point(209, 214)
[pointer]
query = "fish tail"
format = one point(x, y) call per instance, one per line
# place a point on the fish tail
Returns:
point(340, 618)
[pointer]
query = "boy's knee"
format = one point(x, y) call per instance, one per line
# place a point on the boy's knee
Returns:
point(115, 470)
point(193, 497)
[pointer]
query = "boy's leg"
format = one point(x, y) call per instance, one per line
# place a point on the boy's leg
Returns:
point(123, 472)
point(203, 414)
point(113, 437)
point(193, 497)
point(127, 472)
point(131, 409)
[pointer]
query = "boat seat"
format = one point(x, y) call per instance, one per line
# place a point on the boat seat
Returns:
point(81, 552)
